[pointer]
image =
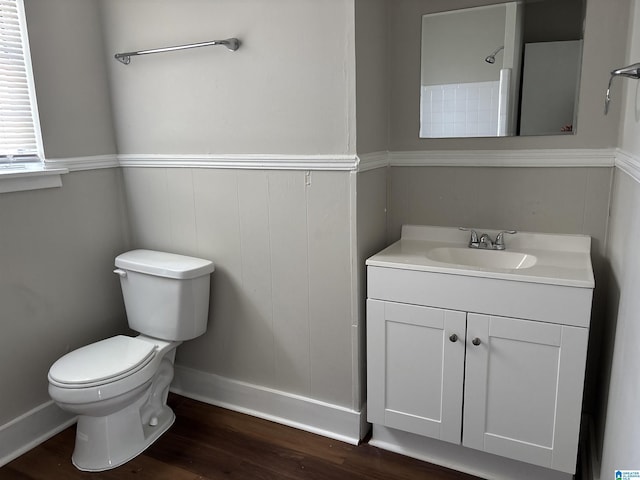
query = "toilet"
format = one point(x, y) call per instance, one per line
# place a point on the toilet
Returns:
point(118, 387)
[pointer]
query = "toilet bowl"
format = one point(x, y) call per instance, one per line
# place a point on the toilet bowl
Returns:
point(118, 387)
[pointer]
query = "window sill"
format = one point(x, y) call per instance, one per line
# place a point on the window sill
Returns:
point(19, 178)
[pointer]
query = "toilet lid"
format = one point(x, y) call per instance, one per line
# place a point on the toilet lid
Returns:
point(103, 361)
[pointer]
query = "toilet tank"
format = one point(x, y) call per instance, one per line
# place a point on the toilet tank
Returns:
point(166, 295)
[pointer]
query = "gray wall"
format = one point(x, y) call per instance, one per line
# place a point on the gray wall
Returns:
point(617, 434)
point(554, 200)
point(282, 307)
point(67, 54)
point(56, 287)
point(604, 45)
point(371, 238)
point(568, 200)
point(57, 245)
point(289, 89)
point(283, 243)
point(571, 200)
point(281, 299)
point(372, 75)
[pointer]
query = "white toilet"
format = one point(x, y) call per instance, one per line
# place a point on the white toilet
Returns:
point(118, 387)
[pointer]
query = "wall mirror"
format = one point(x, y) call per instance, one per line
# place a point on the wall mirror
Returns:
point(501, 70)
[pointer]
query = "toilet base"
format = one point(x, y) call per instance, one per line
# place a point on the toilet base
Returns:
point(103, 443)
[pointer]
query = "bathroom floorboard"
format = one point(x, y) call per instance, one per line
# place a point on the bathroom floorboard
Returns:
point(210, 443)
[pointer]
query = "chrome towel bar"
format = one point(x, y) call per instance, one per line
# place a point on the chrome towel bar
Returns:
point(630, 71)
point(231, 43)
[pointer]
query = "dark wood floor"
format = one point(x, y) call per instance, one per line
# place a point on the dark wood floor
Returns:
point(209, 443)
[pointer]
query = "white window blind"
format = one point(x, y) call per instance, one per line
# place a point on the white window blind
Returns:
point(19, 134)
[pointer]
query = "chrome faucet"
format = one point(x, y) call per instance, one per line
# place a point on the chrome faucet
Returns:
point(499, 244)
point(484, 241)
point(473, 241)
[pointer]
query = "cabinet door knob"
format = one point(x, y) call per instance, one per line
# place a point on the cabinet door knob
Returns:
point(453, 337)
point(476, 341)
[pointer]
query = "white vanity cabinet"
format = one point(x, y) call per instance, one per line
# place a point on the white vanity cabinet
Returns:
point(523, 389)
point(521, 386)
point(415, 374)
point(490, 364)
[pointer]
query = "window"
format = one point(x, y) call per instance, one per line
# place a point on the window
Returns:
point(20, 141)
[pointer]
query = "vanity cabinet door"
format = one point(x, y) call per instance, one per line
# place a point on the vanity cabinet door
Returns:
point(523, 389)
point(415, 368)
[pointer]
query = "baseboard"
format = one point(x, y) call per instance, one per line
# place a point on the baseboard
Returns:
point(459, 458)
point(31, 429)
point(295, 411)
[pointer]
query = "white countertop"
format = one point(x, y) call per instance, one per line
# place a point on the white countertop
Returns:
point(561, 259)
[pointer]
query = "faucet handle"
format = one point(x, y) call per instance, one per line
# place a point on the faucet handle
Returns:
point(473, 241)
point(499, 244)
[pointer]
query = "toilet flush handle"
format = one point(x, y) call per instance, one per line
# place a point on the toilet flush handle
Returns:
point(120, 272)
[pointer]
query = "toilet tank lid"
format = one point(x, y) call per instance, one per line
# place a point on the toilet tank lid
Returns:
point(164, 264)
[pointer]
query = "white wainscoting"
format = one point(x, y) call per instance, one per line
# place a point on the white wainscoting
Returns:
point(296, 411)
point(31, 429)
point(41, 423)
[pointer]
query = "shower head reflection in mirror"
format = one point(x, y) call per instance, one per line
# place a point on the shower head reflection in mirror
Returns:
point(492, 57)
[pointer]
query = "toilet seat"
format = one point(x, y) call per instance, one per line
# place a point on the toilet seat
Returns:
point(129, 375)
point(103, 362)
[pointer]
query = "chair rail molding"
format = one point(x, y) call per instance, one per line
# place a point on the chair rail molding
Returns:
point(628, 163)
point(556, 157)
point(82, 163)
point(548, 158)
point(373, 160)
point(339, 162)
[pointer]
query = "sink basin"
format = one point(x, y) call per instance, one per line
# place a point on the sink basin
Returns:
point(482, 258)
point(529, 257)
